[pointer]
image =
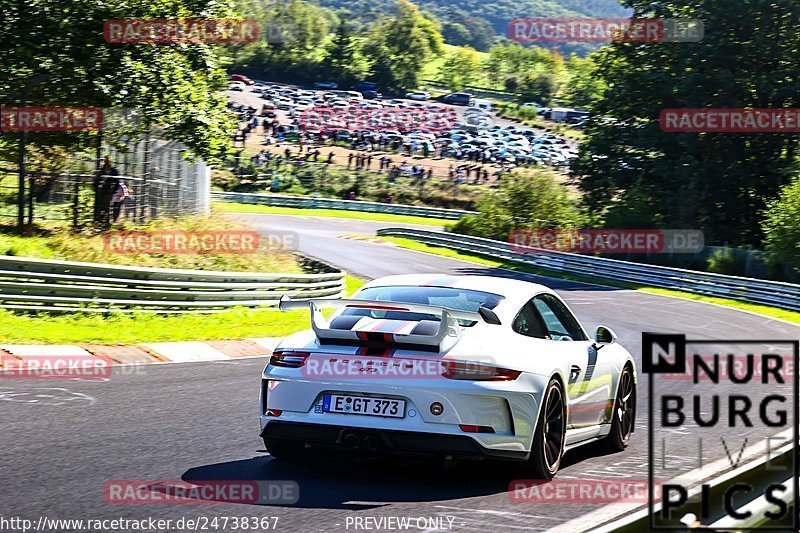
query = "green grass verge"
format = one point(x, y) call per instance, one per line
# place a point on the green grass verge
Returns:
point(783, 314)
point(91, 247)
point(133, 328)
point(330, 213)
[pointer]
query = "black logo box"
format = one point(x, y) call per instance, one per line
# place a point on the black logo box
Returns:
point(678, 366)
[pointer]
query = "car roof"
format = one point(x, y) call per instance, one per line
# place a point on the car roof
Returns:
point(516, 292)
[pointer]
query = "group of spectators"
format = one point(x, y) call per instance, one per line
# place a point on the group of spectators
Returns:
point(417, 172)
point(462, 174)
point(268, 160)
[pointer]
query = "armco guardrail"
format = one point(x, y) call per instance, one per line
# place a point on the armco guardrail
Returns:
point(304, 202)
point(772, 293)
point(45, 285)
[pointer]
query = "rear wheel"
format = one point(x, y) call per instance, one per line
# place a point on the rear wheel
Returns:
point(548, 439)
point(624, 413)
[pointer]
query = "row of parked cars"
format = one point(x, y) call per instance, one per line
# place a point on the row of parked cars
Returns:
point(473, 132)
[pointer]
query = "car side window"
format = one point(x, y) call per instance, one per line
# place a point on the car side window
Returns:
point(558, 320)
point(528, 322)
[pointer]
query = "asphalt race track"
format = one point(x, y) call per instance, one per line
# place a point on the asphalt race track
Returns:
point(62, 441)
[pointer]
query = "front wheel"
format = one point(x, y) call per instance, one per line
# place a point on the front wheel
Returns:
point(548, 439)
point(624, 413)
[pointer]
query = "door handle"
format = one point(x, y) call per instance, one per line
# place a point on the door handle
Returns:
point(574, 372)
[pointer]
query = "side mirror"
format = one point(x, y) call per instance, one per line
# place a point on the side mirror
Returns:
point(605, 335)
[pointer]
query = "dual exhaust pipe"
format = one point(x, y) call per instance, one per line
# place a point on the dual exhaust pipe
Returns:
point(352, 441)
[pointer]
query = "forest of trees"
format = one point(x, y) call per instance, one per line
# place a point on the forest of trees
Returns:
point(632, 174)
point(54, 54)
point(397, 49)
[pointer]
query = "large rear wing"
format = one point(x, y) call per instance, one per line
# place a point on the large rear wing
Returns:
point(448, 324)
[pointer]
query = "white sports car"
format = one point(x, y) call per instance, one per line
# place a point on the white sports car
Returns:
point(444, 365)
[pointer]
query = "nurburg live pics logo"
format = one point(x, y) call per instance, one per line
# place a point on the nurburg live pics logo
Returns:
point(737, 405)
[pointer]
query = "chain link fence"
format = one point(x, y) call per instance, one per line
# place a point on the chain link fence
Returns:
point(145, 178)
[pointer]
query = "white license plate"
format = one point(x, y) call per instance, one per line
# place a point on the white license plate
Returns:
point(362, 405)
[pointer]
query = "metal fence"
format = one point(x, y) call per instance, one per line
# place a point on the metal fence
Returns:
point(771, 293)
point(73, 190)
point(332, 203)
point(62, 286)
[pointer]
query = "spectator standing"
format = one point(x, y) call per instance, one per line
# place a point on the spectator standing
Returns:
point(105, 184)
point(121, 194)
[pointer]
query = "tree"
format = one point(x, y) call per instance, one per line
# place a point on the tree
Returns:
point(525, 200)
point(459, 68)
point(400, 47)
point(343, 61)
point(293, 47)
point(538, 88)
point(583, 87)
point(60, 43)
point(533, 70)
point(460, 29)
point(628, 166)
point(782, 228)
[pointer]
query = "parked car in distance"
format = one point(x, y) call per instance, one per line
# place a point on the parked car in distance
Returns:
point(365, 86)
point(241, 78)
point(483, 105)
point(457, 98)
point(326, 85)
point(562, 114)
point(418, 95)
point(369, 89)
point(476, 111)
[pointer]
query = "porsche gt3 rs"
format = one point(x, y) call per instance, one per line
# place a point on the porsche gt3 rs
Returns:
point(461, 366)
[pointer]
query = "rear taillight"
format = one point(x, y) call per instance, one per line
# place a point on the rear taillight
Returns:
point(289, 359)
point(476, 429)
point(477, 372)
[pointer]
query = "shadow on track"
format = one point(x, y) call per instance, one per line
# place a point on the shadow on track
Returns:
point(368, 483)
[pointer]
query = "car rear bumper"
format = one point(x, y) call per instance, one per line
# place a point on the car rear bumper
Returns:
point(382, 441)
